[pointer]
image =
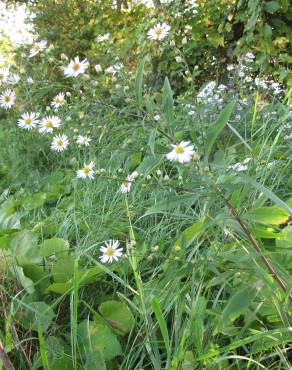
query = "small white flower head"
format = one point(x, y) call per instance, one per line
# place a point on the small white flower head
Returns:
point(28, 121)
point(230, 67)
point(29, 80)
point(159, 31)
point(126, 185)
point(48, 124)
point(87, 172)
point(76, 67)
point(102, 38)
point(83, 140)
point(37, 47)
point(156, 117)
point(58, 100)
point(2, 59)
point(4, 73)
point(184, 41)
point(178, 59)
point(182, 152)
point(111, 251)
point(13, 79)
point(7, 99)
point(98, 68)
point(60, 143)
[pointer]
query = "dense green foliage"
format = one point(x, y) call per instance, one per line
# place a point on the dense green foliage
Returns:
point(193, 288)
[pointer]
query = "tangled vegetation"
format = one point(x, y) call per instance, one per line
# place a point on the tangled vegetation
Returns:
point(145, 187)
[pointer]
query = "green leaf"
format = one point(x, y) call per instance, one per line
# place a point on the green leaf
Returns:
point(26, 283)
point(215, 129)
point(236, 306)
point(167, 101)
point(273, 197)
point(172, 202)
point(24, 248)
point(95, 360)
point(34, 201)
point(272, 6)
point(189, 234)
point(97, 337)
point(54, 247)
point(34, 314)
point(118, 315)
point(268, 215)
point(162, 324)
point(139, 81)
point(63, 269)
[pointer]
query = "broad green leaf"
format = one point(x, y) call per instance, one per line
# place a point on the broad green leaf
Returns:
point(118, 315)
point(189, 362)
point(24, 248)
point(273, 197)
point(267, 215)
point(95, 360)
point(237, 305)
point(97, 337)
point(162, 324)
point(167, 101)
point(172, 202)
point(189, 234)
point(63, 269)
point(54, 247)
point(215, 129)
point(139, 81)
point(26, 283)
point(34, 201)
point(272, 6)
point(34, 313)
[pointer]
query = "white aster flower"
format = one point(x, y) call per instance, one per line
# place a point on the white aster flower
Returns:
point(102, 38)
point(76, 67)
point(182, 152)
point(48, 124)
point(159, 31)
point(111, 251)
point(83, 140)
point(58, 100)
point(60, 143)
point(98, 68)
point(28, 121)
point(7, 99)
point(126, 185)
point(29, 80)
point(13, 79)
point(87, 171)
point(37, 47)
point(4, 73)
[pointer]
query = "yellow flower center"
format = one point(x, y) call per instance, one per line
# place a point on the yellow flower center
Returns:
point(49, 124)
point(126, 184)
point(27, 121)
point(179, 149)
point(109, 252)
point(158, 31)
point(76, 66)
point(60, 142)
point(36, 47)
point(86, 170)
point(7, 99)
point(57, 100)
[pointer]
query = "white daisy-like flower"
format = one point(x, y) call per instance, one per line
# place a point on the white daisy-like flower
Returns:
point(13, 79)
point(83, 140)
point(159, 31)
point(60, 143)
point(182, 152)
point(29, 80)
point(37, 47)
point(102, 38)
point(98, 68)
point(28, 121)
point(126, 185)
point(58, 100)
point(4, 73)
point(87, 171)
point(76, 67)
point(2, 59)
point(7, 99)
point(111, 251)
point(48, 124)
